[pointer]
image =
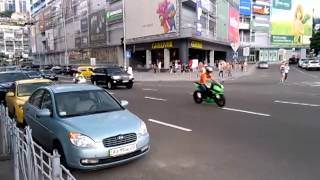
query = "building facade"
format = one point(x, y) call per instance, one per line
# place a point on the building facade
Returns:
point(72, 32)
point(14, 40)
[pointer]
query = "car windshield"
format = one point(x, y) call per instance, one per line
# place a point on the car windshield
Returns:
point(115, 70)
point(28, 89)
point(11, 77)
point(85, 103)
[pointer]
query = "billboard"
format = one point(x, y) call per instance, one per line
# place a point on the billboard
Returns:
point(291, 21)
point(97, 28)
point(153, 18)
point(233, 27)
point(261, 9)
point(245, 7)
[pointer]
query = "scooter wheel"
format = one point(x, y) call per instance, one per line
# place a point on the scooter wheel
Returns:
point(221, 102)
point(197, 97)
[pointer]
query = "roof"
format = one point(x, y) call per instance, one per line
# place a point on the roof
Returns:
point(30, 81)
point(61, 88)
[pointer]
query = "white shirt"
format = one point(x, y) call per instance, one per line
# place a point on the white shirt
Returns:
point(286, 69)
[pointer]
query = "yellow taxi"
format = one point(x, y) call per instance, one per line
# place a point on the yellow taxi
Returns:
point(23, 89)
point(85, 71)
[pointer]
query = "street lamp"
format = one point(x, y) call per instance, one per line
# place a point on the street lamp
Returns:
point(124, 35)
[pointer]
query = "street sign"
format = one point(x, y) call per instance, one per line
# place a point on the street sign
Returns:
point(235, 46)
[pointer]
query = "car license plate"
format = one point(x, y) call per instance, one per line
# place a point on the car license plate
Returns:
point(122, 150)
point(125, 81)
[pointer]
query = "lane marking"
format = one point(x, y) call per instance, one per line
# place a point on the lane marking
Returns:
point(148, 89)
point(313, 76)
point(153, 98)
point(297, 103)
point(170, 125)
point(248, 112)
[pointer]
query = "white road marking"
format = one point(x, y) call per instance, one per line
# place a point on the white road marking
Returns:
point(306, 73)
point(148, 89)
point(170, 125)
point(297, 103)
point(153, 98)
point(248, 112)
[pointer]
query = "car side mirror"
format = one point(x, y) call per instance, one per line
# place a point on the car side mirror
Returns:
point(124, 103)
point(10, 94)
point(44, 113)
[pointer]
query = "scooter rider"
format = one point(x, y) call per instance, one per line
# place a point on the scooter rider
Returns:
point(205, 79)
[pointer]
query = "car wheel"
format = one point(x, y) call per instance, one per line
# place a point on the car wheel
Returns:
point(129, 86)
point(109, 85)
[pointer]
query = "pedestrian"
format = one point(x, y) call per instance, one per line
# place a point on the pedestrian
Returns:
point(130, 72)
point(242, 66)
point(154, 67)
point(221, 68)
point(159, 66)
point(245, 65)
point(282, 71)
point(229, 69)
point(286, 71)
point(176, 66)
point(171, 67)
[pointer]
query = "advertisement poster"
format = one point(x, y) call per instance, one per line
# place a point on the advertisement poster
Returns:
point(291, 21)
point(261, 9)
point(153, 18)
point(97, 28)
point(245, 7)
point(233, 25)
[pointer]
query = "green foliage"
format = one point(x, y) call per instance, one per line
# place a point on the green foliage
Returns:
point(315, 42)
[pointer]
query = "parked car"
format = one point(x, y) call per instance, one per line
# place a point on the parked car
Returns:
point(263, 65)
point(9, 68)
point(112, 77)
point(7, 80)
point(94, 130)
point(293, 60)
point(303, 63)
point(17, 97)
point(313, 64)
point(47, 74)
point(34, 74)
point(57, 69)
point(85, 71)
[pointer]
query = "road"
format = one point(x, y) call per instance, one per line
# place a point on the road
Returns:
point(267, 131)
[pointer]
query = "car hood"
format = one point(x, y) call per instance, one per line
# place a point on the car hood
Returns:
point(104, 125)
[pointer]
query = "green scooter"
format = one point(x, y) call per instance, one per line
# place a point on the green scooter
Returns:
point(214, 94)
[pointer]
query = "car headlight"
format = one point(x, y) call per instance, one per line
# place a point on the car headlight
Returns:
point(80, 140)
point(143, 128)
point(115, 77)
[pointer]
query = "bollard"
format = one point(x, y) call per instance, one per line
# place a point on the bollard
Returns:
point(56, 167)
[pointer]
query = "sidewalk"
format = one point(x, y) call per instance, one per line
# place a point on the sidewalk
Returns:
point(189, 76)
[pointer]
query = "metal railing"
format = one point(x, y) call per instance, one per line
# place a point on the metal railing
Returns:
point(30, 160)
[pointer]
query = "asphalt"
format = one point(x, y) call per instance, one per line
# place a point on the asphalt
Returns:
point(271, 141)
point(268, 130)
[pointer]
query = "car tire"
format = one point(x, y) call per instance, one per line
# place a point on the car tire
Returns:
point(129, 86)
point(109, 85)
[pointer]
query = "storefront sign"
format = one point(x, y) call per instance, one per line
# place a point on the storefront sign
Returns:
point(162, 45)
point(114, 15)
point(196, 44)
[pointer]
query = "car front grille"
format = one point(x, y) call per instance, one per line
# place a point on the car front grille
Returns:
point(119, 140)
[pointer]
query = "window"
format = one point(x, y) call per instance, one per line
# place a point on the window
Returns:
point(36, 98)
point(46, 101)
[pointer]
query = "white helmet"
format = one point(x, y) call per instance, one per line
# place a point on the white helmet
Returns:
point(209, 69)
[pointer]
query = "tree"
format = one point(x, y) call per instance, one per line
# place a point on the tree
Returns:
point(6, 14)
point(315, 42)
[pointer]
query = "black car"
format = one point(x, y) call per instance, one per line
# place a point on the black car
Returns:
point(34, 74)
point(7, 80)
point(293, 60)
point(111, 77)
point(47, 74)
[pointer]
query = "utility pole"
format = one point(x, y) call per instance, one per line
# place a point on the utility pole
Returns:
point(124, 35)
point(66, 57)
